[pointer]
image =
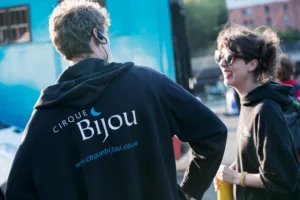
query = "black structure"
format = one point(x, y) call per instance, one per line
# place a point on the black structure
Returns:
point(180, 45)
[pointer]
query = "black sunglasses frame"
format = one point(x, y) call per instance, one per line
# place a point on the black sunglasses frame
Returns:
point(229, 57)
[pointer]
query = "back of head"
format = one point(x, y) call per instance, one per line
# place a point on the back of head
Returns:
point(285, 69)
point(261, 44)
point(71, 25)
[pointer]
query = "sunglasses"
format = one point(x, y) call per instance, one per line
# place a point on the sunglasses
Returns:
point(228, 57)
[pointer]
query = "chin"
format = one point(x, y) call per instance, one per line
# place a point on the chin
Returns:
point(228, 83)
point(232, 81)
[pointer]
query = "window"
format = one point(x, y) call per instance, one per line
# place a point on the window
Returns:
point(249, 23)
point(14, 25)
point(267, 9)
point(285, 7)
point(269, 21)
point(249, 12)
point(286, 19)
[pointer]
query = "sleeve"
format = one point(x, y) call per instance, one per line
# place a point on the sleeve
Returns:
point(20, 184)
point(193, 122)
point(279, 167)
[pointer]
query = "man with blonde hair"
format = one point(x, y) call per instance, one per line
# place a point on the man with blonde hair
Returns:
point(104, 130)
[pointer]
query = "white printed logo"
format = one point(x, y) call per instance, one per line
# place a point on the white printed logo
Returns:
point(115, 122)
point(100, 126)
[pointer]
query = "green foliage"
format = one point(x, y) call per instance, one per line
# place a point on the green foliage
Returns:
point(203, 19)
point(290, 35)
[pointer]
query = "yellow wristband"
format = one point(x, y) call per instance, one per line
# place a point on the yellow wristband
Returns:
point(242, 179)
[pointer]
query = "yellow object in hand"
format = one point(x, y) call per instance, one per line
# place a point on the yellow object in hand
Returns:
point(225, 191)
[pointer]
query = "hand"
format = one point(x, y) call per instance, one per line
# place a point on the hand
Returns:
point(187, 197)
point(216, 184)
point(228, 175)
point(233, 166)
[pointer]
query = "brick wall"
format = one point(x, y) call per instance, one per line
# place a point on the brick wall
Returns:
point(279, 16)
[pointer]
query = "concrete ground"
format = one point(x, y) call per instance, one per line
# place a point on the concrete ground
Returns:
point(229, 156)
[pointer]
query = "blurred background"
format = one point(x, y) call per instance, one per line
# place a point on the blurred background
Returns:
point(175, 37)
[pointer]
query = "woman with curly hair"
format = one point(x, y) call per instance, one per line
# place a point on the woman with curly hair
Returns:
point(266, 165)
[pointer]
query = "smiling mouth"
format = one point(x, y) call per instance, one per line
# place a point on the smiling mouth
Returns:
point(227, 74)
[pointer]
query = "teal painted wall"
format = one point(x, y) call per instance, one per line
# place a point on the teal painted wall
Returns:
point(140, 32)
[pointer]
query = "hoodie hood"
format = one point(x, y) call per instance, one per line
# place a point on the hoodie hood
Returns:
point(82, 83)
point(277, 92)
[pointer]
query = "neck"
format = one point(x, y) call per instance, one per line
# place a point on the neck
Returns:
point(84, 57)
point(247, 87)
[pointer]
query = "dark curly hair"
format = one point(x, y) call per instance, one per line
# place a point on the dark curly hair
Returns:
point(262, 44)
point(285, 69)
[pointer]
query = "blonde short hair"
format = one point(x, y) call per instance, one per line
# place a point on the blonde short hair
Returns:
point(71, 25)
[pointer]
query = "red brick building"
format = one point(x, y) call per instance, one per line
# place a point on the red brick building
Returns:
point(278, 14)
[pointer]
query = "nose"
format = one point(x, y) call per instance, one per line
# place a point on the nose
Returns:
point(222, 63)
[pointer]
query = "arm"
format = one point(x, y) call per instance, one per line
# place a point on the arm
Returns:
point(229, 175)
point(253, 180)
point(276, 153)
point(194, 123)
point(20, 183)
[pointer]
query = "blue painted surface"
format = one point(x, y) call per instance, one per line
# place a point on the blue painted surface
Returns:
point(140, 32)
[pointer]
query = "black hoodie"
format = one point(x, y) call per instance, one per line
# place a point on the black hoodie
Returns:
point(104, 131)
point(265, 145)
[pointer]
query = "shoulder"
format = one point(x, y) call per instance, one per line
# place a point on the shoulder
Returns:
point(150, 75)
point(269, 110)
point(145, 71)
point(269, 105)
point(37, 124)
point(270, 123)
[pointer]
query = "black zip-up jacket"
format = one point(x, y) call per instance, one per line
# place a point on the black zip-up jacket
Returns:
point(104, 131)
point(265, 145)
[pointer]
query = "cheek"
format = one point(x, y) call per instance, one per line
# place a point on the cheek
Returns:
point(240, 71)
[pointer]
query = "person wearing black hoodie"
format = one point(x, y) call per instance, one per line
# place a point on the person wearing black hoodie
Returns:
point(104, 130)
point(266, 166)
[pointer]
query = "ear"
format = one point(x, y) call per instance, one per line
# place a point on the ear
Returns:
point(252, 65)
point(94, 38)
point(95, 33)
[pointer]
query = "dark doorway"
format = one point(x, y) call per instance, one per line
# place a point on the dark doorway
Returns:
point(180, 45)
